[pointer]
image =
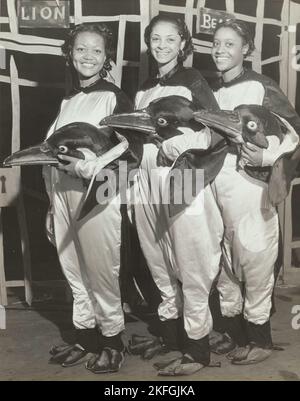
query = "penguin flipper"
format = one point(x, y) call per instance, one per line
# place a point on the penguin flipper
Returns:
point(209, 160)
point(283, 172)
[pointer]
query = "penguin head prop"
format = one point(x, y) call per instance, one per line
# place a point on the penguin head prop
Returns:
point(159, 121)
point(72, 140)
point(246, 123)
point(67, 140)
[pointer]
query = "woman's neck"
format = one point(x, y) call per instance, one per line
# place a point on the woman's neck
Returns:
point(165, 68)
point(89, 81)
point(232, 73)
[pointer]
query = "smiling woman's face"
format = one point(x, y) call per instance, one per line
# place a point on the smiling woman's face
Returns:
point(88, 56)
point(165, 42)
point(228, 49)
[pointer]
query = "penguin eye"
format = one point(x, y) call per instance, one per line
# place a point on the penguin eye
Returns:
point(252, 125)
point(63, 149)
point(162, 122)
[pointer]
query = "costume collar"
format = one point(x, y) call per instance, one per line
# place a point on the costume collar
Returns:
point(241, 77)
point(98, 85)
point(153, 81)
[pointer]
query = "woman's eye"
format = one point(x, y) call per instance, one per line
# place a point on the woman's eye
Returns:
point(229, 44)
point(79, 49)
point(98, 52)
point(162, 122)
point(63, 149)
point(252, 125)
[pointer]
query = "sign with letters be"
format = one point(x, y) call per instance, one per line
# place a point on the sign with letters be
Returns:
point(43, 14)
point(208, 19)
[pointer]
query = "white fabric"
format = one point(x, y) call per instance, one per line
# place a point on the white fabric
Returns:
point(186, 247)
point(84, 107)
point(89, 251)
point(190, 139)
point(92, 165)
point(251, 224)
point(250, 244)
point(143, 98)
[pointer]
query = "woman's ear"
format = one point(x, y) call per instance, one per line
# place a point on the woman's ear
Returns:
point(182, 44)
point(245, 50)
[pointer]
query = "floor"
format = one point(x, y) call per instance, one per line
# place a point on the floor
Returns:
point(30, 332)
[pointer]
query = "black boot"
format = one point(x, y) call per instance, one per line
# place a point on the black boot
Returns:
point(172, 339)
point(173, 334)
point(236, 327)
point(260, 335)
point(86, 340)
point(196, 356)
point(198, 349)
point(260, 347)
point(111, 357)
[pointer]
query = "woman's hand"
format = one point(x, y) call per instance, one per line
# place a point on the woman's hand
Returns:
point(162, 160)
point(252, 154)
point(70, 167)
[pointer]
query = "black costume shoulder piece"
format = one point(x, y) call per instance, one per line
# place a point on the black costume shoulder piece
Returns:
point(191, 78)
point(123, 105)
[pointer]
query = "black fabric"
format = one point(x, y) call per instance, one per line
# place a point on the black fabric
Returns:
point(191, 78)
point(236, 327)
point(134, 266)
point(173, 333)
point(199, 350)
point(260, 335)
point(215, 309)
point(114, 342)
point(100, 85)
point(88, 339)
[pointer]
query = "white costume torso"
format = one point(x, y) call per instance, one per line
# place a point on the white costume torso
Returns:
point(250, 246)
point(89, 250)
point(185, 247)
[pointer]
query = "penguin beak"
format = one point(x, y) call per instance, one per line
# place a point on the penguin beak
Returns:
point(228, 122)
point(35, 155)
point(138, 121)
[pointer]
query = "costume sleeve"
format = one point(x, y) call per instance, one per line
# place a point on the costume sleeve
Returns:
point(92, 164)
point(85, 168)
point(275, 150)
point(276, 101)
point(190, 139)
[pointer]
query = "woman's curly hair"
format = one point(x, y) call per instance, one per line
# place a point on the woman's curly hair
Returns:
point(242, 29)
point(98, 28)
point(182, 30)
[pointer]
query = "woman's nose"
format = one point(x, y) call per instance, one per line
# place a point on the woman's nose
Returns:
point(88, 54)
point(219, 48)
point(161, 44)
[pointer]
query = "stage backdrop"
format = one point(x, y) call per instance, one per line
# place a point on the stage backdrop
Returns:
point(32, 80)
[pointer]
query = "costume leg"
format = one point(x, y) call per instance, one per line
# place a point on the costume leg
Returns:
point(100, 241)
point(152, 227)
point(67, 194)
point(251, 228)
